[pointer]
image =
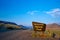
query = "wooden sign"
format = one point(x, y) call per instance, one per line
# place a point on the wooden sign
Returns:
point(39, 26)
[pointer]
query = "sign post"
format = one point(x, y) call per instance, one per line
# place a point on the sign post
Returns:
point(39, 28)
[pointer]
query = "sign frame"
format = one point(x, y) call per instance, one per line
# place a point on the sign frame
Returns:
point(41, 27)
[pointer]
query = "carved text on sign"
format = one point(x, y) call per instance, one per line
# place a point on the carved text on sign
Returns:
point(39, 26)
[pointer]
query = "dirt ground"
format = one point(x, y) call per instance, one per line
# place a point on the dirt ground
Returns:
point(21, 35)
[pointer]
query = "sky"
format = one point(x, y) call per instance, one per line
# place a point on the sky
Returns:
point(24, 12)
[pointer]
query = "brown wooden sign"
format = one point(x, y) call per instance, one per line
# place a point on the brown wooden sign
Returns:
point(39, 26)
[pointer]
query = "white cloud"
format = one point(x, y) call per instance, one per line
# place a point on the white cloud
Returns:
point(32, 12)
point(54, 12)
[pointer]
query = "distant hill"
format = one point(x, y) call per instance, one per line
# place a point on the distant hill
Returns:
point(25, 27)
point(5, 25)
point(53, 26)
point(6, 22)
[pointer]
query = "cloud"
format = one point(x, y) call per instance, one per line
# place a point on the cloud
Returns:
point(54, 12)
point(32, 12)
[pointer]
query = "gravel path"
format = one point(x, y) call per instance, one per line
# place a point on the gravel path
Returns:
point(21, 35)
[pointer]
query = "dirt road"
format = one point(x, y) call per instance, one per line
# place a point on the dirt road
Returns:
point(20, 35)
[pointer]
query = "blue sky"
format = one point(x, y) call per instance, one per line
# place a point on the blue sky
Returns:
point(25, 11)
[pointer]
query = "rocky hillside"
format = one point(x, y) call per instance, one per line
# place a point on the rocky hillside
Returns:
point(6, 22)
point(5, 25)
point(53, 26)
